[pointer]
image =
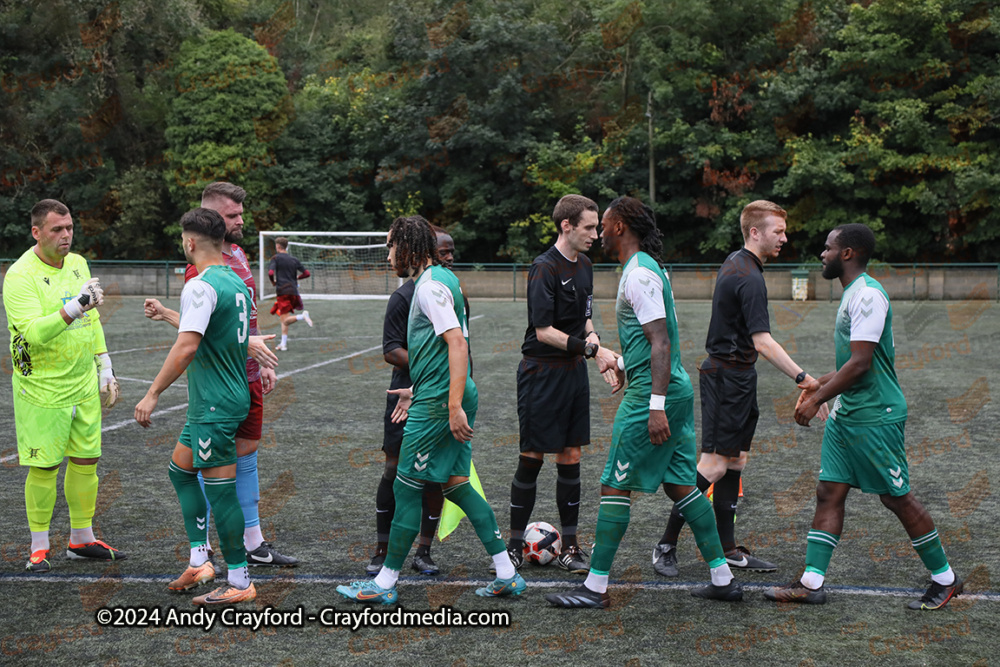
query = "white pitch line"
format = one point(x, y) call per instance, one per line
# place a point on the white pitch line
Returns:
point(871, 591)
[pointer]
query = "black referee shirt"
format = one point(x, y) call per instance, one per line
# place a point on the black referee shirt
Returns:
point(739, 310)
point(397, 314)
point(560, 295)
point(286, 272)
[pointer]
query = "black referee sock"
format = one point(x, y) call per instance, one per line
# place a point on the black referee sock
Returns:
point(522, 498)
point(727, 494)
point(385, 508)
point(568, 500)
point(432, 503)
point(676, 520)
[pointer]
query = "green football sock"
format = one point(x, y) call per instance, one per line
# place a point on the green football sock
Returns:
point(193, 506)
point(480, 514)
point(819, 549)
point(929, 548)
point(40, 497)
point(698, 512)
point(613, 516)
point(221, 493)
point(409, 495)
point(80, 487)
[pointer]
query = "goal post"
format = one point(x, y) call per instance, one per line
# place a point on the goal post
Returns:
point(342, 265)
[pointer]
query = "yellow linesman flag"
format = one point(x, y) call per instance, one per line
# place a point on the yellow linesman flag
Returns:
point(451, 514)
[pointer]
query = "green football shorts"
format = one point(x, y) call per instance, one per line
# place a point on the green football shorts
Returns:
point(46, 435)
point(431, 453)
point(216, 443)
point(635, 464)
point(870, 457)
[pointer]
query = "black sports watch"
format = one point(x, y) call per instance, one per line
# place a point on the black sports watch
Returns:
point(590, 351)
point(800, 377)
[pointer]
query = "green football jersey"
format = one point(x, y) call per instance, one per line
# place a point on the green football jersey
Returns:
point(53, 364)
point(437, 306)
point(217, 305)
point(645, 295)
point(865, 314)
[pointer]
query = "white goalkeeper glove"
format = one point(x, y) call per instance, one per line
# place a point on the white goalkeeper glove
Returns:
point(91, 295)
point(110, 391)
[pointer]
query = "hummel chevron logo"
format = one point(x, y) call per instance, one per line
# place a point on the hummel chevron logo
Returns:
point(897, 483)
point(205, 454)
point(198, 292)
point(868, 301)
point(895, 473)
point(866, 313)
point(620, 476)
point(643, 281)
point(422, 457)
point(204, 443)
point(623, 467)
point(497, 533)
point(419, 466)
point(200, 521)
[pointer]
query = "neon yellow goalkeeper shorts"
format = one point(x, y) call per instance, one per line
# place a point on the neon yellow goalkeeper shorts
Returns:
point(46, 435)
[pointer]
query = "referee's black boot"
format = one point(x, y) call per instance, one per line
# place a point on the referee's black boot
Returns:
point(423, 564)
point(731, 592)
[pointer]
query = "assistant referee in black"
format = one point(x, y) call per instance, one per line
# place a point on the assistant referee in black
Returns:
point(738, 333)
point(553, 390)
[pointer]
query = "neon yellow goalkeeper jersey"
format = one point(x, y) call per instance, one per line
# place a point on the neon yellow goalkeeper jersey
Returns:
point(53, 364)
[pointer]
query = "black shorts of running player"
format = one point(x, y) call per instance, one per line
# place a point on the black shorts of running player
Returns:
point(392, 437)
point(553, 403)
point(728, 408)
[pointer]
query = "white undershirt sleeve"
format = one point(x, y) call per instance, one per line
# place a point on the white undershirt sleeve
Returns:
point(644, 290)
point(198, 300)
point(436, 302)
point(868, 309)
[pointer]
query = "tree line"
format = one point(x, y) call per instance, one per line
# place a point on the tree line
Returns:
point(480, 114)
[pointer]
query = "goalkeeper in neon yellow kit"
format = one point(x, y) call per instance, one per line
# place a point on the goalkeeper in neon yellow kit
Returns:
point(62, 376)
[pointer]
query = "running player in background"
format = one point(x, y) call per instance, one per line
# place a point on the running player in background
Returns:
point(653, 440)
point(436, 447)
point(285, 272)
point(227, 199)
point(863, 443)
point(55, 340)
point(211, 346)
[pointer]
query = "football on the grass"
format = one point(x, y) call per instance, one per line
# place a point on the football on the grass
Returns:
point(542, 543)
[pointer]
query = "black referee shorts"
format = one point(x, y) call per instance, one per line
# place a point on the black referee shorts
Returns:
point(728, 409)
point(553, 404)
point(392, 438)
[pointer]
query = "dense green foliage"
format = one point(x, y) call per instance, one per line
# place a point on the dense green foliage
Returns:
point(479, 114)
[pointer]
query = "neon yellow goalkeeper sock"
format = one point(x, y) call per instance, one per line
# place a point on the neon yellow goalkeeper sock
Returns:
point(80, 487)
point(40, 497)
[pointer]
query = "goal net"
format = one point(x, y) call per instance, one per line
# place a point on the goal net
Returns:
point(342, 265)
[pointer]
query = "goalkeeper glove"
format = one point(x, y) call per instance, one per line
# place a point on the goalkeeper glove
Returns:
point(110, 391)
point(91, 295)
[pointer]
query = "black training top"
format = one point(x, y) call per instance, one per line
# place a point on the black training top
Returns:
point(397, 314)
point(560, 295)
point(284, 271)
point(739, 310)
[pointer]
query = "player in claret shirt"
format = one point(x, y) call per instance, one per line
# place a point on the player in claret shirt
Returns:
point(56, 339)
point(285, 272)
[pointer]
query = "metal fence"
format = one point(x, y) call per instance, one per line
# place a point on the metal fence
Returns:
point(955, 282)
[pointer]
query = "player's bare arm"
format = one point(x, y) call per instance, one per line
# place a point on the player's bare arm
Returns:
point(176, 363)
point(458, 369)
point(258, 349)
point(859, 364)
point(659, 360)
